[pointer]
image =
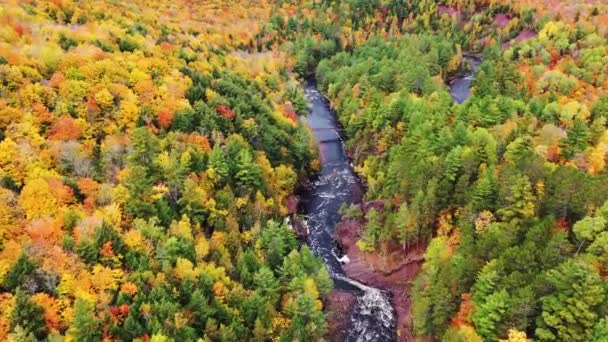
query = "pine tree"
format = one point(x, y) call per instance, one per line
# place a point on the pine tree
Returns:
point(19, 272)
point(277, 241)
point(218, 162)
point(491, 114)
point(132, 328)
point(600, 330)
point(200, 308)
point(490, 314)
point(259, 332)
point(406, 229)
point(453, 162)
point(486, 192)
point(139, 186)
point(86, 326)
point(576, 141)
point(572, 310)
point(521, 201)
point(266, 285)
point(248, 174)
point(307, 321)
point(29, 316)
point(373, 227)
point(144, 147)
point(485, 284)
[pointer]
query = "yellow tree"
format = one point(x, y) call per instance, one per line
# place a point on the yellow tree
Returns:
point(37, 199)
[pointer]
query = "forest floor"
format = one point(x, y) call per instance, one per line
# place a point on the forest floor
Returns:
point(391, 270)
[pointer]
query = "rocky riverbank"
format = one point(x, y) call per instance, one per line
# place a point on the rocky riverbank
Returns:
point(339, 305)
point(391, 270)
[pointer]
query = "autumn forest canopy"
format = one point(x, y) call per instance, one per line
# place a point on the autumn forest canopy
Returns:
point(150, 153)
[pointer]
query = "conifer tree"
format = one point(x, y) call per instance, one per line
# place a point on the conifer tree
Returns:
point(486, 192)
point(521, 201)
point(578, 298)
point(576, 141)
point(28, 315)
point(248, 173)
point(86, 326)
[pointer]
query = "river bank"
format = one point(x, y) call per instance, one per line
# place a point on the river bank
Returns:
point(371, 300)
point(371, 317)
point(392, 270)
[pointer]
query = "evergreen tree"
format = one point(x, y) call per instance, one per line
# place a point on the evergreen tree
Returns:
point(406, 229)
point(248, 172)
point(571, 311)
point(87, 327)
point(490, 314)
point(266, 285)
point(201, 309)
point(132, 328)
point(521, 201)
point(259, 332)
point(576, 141)
point(218, 162)
point(453, 162)
point(144, 147)
point(277, 241)
point(485, 284)
point(29, 316)
point(485, 194)
point(307, 321)
point(18, 272)
point(139, 186)
point(373, 228)
point(600, 330)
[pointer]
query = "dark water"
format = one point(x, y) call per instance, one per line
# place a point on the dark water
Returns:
point(460, 87)
point(373, 318)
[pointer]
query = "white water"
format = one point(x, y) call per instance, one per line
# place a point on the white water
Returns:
point(373, 317)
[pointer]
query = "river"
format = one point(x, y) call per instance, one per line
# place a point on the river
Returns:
point(460, 87)
point(373, 318)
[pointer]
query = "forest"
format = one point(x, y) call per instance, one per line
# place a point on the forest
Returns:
point(150, 153)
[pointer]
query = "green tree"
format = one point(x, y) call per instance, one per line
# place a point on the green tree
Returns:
point(490, 314)
point(266, 285)
point(28, 315)
point(485, 194)
point(277, 241)
point(571, 310)
point(307, 321)
point(520, 202)
point(139, 186)
point(576, 141)
point(259, 332)
point(592, 231)
point(248, 174)
point(373, 229)
point(407, 230)
point(144, 147)
point(86, 327)
point(485, 284)
point(453, 162)
point(19, 272)
point(218, 162)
